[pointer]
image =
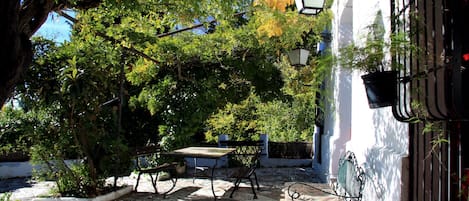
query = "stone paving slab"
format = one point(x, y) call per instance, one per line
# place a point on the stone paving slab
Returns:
point(306, 191)
point(25, 189)
point(272, 182)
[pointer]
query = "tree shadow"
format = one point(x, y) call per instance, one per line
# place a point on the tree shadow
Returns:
point(179, 194)
point(7, 185)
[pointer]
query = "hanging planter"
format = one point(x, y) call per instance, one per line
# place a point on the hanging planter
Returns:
point(381, 75)
point(381, 88)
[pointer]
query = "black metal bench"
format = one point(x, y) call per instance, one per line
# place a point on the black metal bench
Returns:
point(349, 184)
point(148, 160)
point(244, 160)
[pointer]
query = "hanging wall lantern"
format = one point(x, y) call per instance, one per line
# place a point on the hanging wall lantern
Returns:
point(298, 57)
point(309, 7)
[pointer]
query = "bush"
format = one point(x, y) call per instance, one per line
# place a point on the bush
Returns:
point(16, 130)
point(283, 121)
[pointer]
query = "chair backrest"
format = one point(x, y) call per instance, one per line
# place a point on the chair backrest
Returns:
point(145, 150)
point(351, 177)
point(147, 156)
point(247, 153)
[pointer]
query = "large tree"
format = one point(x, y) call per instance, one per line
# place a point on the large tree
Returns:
point(19, 20)
point(186, 77)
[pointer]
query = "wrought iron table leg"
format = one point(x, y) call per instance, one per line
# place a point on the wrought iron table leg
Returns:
point(211, 179)
point(195, 170)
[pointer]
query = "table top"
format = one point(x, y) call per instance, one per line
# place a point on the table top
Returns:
point(202, 152)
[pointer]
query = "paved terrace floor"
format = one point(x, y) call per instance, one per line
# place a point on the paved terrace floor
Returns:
point(273, 183)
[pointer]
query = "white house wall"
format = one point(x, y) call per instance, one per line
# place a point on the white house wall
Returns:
point(338, 114)
point(377, 139)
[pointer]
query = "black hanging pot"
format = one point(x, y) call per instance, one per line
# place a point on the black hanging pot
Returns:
point(381, 88)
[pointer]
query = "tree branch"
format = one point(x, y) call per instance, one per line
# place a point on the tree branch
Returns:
point(67, 16)
point(33, 14)
point(112, 40)
point(193, 27)
point(133, 50)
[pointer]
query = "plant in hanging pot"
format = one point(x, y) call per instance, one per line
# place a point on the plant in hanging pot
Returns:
point(381, 88)
point(381, 78)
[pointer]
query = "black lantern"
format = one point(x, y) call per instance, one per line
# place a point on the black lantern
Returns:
point(309, 7)
point(298, 57)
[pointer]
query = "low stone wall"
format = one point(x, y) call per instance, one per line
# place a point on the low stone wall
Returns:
point(15, 169)
point(291, 150)
point(292, 158)
point(19, 169)
point(296, 159)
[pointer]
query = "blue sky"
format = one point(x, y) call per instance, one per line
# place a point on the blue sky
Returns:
point(55, 28)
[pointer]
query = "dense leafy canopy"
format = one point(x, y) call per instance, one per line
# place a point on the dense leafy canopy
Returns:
point(186, 76)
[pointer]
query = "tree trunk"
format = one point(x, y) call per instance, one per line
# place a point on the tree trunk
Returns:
point(15, 48)
point(19, 20)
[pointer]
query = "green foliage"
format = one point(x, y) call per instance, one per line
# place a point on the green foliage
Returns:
point(195, 72)
point(16, 129)
point(72, 178)
point(289, 117)
point(70, 120)
point(287, 121)
point(238, 121)
point(5, 196)
point(371, 56)
point(184, 78)
point(282, 120)
point(39, 80)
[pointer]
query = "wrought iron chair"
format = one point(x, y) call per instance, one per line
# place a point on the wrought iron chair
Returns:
point(245, 160)
point(350, 182)
point(350, 178)
point(147, 161)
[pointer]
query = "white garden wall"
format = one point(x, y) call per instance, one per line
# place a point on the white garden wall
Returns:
point(21, 169)
point(15, 169)
point(377, 139)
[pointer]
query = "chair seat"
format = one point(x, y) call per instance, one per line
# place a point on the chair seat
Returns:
point(240, 172)
point(159, 168)
point(144, 156)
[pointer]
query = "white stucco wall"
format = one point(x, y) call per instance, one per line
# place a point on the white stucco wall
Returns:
point(377, 139)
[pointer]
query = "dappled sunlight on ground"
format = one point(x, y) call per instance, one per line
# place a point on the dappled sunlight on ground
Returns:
point(273, 184)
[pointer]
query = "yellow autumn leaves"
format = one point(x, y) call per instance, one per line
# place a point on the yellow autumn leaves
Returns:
point(280, 5)
point(271, 26)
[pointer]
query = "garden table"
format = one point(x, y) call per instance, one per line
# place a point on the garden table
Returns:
point(204, 152)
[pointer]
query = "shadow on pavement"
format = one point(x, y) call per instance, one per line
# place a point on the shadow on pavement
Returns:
point(7, 185)
point(173, 195)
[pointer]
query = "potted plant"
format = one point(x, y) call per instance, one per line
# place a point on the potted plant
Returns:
point(380, 78)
